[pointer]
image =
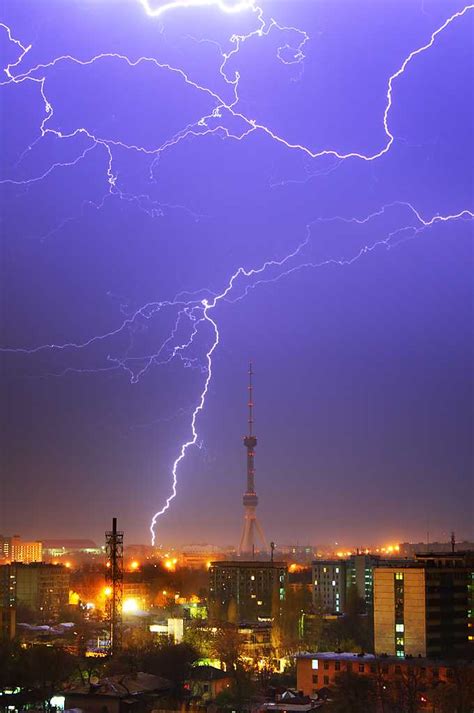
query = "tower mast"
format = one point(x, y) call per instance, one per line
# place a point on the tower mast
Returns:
point(251, 530)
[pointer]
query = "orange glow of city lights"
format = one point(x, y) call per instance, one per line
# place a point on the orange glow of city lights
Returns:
point(68, 565)
point(134, 565)
point(130, 606)
point(108, 591)
point(108, 564)
point(170, 564)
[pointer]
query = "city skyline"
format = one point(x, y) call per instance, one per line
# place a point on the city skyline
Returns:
point(319, 226)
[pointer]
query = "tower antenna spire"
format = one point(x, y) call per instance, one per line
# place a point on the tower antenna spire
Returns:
point(250, 399)
point(252, 528)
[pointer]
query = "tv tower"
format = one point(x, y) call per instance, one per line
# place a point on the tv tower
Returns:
point(251, 530)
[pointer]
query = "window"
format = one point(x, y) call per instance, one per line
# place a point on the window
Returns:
point(361, 668)
point(326, 665)
point(398, 575)
point(435, 673)
point(315, 678)
point(337, 665)
point(326, 680)
point(205, 687)
point(314, 664)
point(398, 670)
point(337, 570)
point(400, 628)
point(373, 668)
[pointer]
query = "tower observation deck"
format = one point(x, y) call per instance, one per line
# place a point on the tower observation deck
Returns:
point(252, 538)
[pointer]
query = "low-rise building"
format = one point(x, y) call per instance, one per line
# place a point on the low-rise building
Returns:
point(320, 670)
point(204, 683)
point(118, 694)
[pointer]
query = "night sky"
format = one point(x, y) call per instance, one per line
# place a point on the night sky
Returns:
point(363, 360)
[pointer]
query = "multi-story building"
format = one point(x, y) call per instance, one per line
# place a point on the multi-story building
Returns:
point(246, 591)
point(329, 585)
point(7, 603)
point(318, 670)
point(43, 588)
point(14, 549)
point(424, 609)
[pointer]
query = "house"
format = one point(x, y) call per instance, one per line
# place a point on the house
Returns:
point(126, 693)
point(206, 682)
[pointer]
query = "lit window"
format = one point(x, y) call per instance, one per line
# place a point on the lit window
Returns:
point(314, 664)
point(333, 582)
point(398, 575)
point(400, 628)
point(337, 570)
point(252, 577)
point(324, 570)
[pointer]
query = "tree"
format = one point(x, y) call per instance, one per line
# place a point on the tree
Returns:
point(457, 695)
point(227, 647)
point(353, 693)
point(200, 638)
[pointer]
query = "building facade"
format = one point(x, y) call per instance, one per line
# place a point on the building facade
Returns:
point(425, 609)
point(246, 591)
point(329, 586)
point(319, 670)
point(14, 549)
point(43, 588)
point(7, 603)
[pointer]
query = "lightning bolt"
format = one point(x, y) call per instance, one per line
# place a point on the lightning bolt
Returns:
point(194, 312)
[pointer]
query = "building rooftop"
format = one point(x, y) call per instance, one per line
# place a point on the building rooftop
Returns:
point(207, 673)
point(382, 658)
point(69, 544)
point(123, 686)
point(251, 564)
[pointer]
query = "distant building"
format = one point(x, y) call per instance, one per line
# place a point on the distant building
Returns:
point(301, 554)
point(410, 549)
point(329, 585)
point(43, 588)
point(246, 591)
point(360, 574)
point(137, 590)
point(14, 549)
point(425, 609)
point(319, 670)
point(61, 548)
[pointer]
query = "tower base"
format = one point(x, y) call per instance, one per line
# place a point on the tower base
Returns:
point(252, 534)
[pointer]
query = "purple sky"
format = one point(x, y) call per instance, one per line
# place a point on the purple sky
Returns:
point(127, 183)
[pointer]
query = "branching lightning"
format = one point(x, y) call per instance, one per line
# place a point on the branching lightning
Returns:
point(193, 314)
